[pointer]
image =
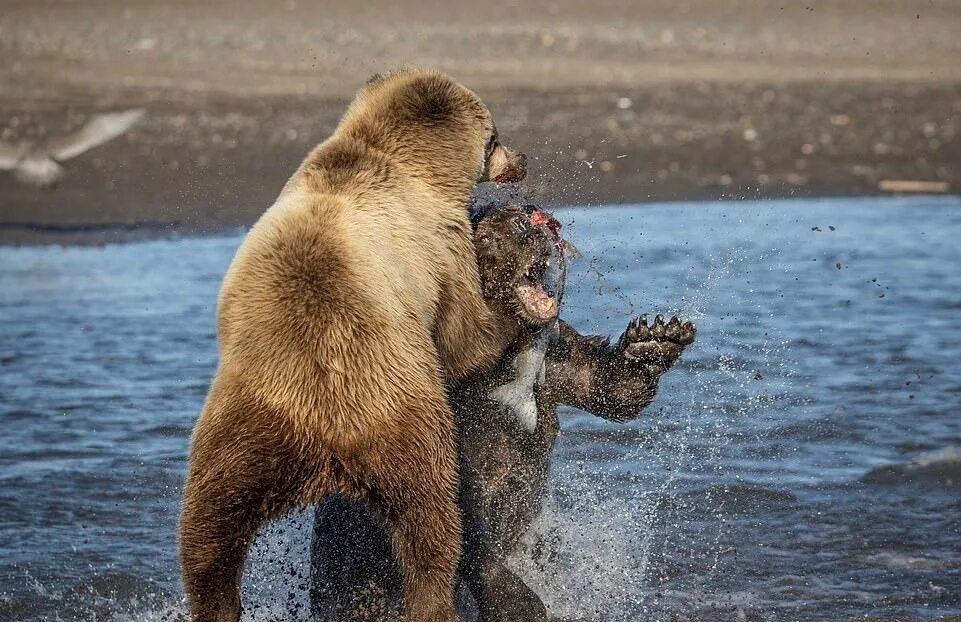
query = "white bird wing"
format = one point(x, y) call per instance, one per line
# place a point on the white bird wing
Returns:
point(10, 154)
point(100, 129)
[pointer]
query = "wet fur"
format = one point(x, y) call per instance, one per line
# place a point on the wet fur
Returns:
point(348, 306)
point(503, 469)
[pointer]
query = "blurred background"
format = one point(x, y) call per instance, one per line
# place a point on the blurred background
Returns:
point(617, 100)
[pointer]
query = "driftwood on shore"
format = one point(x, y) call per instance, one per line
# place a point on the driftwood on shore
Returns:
point(913, 186)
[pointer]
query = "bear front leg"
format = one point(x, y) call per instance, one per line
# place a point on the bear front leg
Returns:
point(469, 336)
point(615, 382)
point(655, 347)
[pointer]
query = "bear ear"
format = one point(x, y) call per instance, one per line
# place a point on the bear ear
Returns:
point(374, 80)
point(431, 98)
point(479, 211)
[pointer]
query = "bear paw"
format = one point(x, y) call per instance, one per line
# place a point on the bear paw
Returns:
point(659, 344)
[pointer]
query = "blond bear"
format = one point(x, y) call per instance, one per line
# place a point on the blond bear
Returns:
point(348, 307)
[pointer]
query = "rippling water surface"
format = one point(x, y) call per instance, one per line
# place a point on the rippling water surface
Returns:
point(802, 461)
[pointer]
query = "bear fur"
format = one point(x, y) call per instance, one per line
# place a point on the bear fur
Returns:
point(504, 470)
point(349, 305)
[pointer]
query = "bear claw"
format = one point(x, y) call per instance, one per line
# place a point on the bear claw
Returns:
point(659, 330)
point(658, 344)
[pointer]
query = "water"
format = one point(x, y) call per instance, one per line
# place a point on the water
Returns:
point(802, 461)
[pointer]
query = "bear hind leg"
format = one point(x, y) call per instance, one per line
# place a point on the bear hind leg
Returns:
point(418, 499)
point(236, 483)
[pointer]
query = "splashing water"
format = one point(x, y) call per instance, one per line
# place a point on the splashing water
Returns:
point(800, 461)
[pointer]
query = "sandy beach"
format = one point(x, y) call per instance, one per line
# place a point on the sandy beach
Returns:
point(615, 102)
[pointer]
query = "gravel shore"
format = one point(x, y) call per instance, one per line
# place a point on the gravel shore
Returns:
point(615, 102)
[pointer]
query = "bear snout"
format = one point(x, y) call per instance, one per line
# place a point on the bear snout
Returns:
point(515, 169)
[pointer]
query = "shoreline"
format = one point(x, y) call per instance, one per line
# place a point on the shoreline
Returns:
point(102, 234)
point(219, 165)
point(630, 101)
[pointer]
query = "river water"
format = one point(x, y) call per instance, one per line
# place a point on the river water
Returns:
point(801, 462)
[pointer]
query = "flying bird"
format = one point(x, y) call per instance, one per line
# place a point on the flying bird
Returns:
point(38, 164)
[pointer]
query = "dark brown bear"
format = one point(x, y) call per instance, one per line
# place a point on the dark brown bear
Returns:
point(503, 470)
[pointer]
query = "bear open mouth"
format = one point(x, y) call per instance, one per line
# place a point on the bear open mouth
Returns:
point(537, 302)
